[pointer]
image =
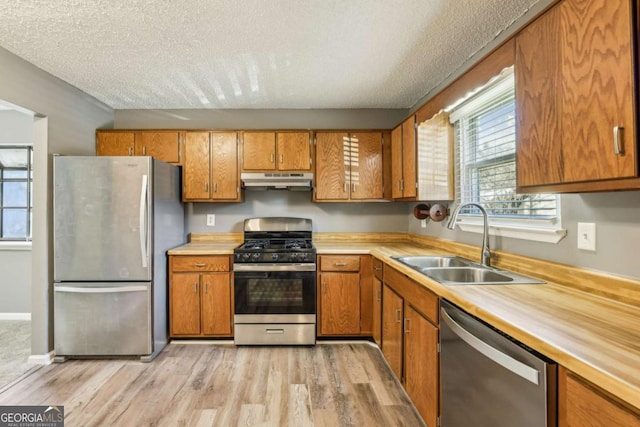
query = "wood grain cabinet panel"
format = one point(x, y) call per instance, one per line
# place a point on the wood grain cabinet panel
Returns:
point(185, 304)
point(216, 304)
point(421, 364)
point(161, 145)
point(575, 89)
point(294, 151)
point(115, 143)
point(196, 167)
point(259, 151)
point(210, 170)
point(340, 302)
point(200, 297)
point(345, 295)
point(581, 403)
point(392, 315)
point(403, 157)
point(349, 166)
point(282, 151)
point(377, 311)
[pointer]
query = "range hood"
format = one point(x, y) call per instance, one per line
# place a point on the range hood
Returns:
point(279, 181)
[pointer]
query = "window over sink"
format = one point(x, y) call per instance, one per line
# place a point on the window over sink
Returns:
point(485, 167)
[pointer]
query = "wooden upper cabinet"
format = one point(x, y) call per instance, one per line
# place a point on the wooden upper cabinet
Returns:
point(210, 167)
point(259, 151)
point(115, 143)
point(574, 69)
point(293, 151)
point(349, 166)
point(161, 145)
point(196, 166)
point(225, 183)
point(283, 151)
point(332, 166)
point(403, 158)
point(366, 165)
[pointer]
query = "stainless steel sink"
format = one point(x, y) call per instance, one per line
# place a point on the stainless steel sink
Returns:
point(430, 261)
point(451, 270)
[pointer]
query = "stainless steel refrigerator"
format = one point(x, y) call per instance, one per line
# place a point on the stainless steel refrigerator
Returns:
point(114, 219)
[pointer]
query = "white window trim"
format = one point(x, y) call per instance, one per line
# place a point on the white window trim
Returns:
point(538, 230)
point(8, 245)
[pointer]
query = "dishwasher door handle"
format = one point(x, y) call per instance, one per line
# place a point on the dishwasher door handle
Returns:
point(527, 372)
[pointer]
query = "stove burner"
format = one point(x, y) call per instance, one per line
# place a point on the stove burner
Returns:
point(297, 244)
point(256, 244)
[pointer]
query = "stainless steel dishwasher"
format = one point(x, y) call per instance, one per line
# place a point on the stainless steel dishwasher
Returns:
point(490, 380)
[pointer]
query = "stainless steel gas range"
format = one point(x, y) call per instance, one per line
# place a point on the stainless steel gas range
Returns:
point(275, 283)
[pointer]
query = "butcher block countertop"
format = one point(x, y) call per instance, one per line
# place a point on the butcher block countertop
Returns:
point(587, 321)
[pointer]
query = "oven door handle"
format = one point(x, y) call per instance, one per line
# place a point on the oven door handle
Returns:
point(274, 267)
point(253, 275)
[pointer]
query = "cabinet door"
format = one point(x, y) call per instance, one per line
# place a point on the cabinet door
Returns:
point(294, 151)
point(115, 143)
point(392, 305)
point(224, 166)
point(396, 163)
point(421, 364)
point(366, 165)
point(195, 169)
point(185, 304)
point(259, 151)
point(582, 404)
point(332, 166)
point(340, 304)
point(163, 146)
point(537, 76)
point(216, 304)
point(377, 311)
point(598, 89)
point(409, 177)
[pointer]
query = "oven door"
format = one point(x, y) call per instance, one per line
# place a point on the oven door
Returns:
point(275, 289)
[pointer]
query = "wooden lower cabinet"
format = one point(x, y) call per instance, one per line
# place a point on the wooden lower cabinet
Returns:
point(376, 330)
point(410, 340)
point(421, 364)
point(581, 403)
point(345, 295)
point(392, 306)
point(200, 297)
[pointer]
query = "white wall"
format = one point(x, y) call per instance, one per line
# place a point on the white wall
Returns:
point(16, 128)
point(71, 117)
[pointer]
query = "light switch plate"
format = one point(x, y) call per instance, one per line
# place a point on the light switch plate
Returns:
point(587, 236)
point(211, 220)
point(423, 223)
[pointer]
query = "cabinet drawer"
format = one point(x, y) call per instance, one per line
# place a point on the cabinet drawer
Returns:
point(200, 263)
point(340, 263)
point(377, 268)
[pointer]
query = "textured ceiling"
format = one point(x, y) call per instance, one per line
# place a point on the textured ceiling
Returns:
point(253, 53)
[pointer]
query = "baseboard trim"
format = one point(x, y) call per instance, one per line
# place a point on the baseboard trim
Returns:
point(15, 316)
point(42, 359)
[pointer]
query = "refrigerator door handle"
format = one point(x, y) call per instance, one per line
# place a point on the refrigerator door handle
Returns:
point(107, 290)
point(143, 216)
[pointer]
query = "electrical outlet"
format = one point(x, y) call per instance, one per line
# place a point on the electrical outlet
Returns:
point(211, 220)
point(587, 236)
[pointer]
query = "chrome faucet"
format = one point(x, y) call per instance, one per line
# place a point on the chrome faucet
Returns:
point(485, 255)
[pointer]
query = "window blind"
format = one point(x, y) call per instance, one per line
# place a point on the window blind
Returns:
point(485, 142)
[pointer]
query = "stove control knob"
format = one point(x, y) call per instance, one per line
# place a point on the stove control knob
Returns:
point(293, 257)
point(303, 256)
point(246, 257)
point(255, 256)
point(274, 256)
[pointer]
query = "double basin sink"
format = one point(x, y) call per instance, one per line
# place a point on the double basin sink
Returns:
point(452, 270)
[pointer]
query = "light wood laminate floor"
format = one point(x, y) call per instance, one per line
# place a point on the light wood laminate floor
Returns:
point(223, 385)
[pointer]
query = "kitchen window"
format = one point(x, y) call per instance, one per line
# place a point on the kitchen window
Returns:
point(16, 193)
point(485, 147)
